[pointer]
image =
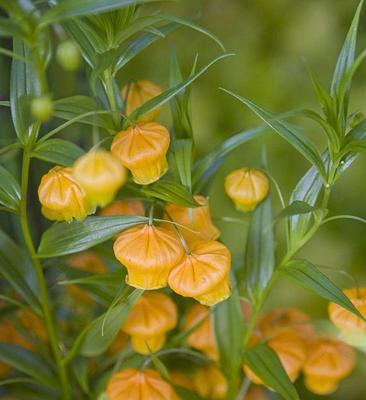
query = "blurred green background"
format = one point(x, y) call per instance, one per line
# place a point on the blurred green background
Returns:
point(274, 42)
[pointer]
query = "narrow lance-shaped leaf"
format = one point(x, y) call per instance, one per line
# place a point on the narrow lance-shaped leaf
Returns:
point(229, 332)
point(297, 207)
point(308, 276)
point(9, 190)
point(288, 132)
point(259, 255)
point(63, 238)
point(170, 93)
point(58, 151)
point(183, 158)
point(264, 362)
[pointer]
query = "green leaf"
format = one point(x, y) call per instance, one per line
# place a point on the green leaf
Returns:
point(171, 192)
point(185, 394)
point(27, 362)
point(286, 131)
point(9, 190)
point(167, 95)
point(16, 269)
point(183, 157)
point(72, 107)
point(206, 167)
point(264, 362)
point(99, 335)
point(66, 9)
point(63, 238)
point(259, 255)
point(24, 84)
point(295, 208)
point(8, 27)
point(58, 151)
point(347, 54)
point(229, 332)
point(309, 277)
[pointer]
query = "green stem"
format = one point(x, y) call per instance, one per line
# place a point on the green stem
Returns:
point(108, 82)
point(46, 307)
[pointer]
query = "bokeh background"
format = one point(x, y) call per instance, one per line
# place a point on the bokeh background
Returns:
point(275, 41)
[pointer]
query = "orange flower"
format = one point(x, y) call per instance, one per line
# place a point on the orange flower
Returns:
point(203, 273)
point(132, 384)
point(246, 187)
point(136, 93)
point(178, 378)
point(278, 320)
point(202, 337)
point(123, 207)
point(150, 318)
point(197, 219)
point(33, 324)
point(291, 351)
point(88, 261)
point(142, 149)
point(62, 197)
point(255, 394)
point(149, 253)
point(210, 383)
point(101, 175)
point(352, 327)
point(328, 362)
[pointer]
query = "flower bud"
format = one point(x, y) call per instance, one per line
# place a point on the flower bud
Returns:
point(142, 149)
point(202, 337)
point(42, 107)
point(203, 273)
point(101, 175)
point(195, 219)
point(246, 187)
point(210, 383)
point(149, 253)
point(62, 197)
point(142, 385)
point(87, 261)
point(353, 328)
point(136, 93)
point(68, 55)
point(328, 362)
point(123, 207)
point(150, 318)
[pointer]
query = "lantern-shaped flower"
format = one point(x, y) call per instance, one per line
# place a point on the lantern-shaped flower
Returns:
point(101, 175)
point(150, 318)
point(210, 383)
point(62, 197)
point(142, 149)
point(132, 384)
point(328, 362)
point(178, 378)
point(280, 319)
point(246, 187)
point(149, 253)
point(33, 324)
point(136, 93)
point(291, 351)
point(123, 207)
point(195, 219)
point(87, 261)
point(352, 327)
point(202, 337)
point(203, 273)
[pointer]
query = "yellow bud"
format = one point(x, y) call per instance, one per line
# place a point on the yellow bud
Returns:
point(101, 175)
point(246, 187)
point(142, 149)
point(42, 107)
point(68, 55)
point(136, 93)
point(61, 196)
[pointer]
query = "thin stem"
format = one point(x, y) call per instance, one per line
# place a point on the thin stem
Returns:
point(108, 82)
point(46, 307)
